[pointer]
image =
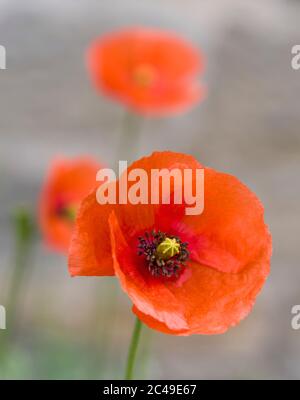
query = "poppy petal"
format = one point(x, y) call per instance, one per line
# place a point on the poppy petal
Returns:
point(68, 181)
point(208, 302)
point(215, 301)
point(90, 249)
point(230, 231)
point(118, 62)
point(138, 217)
point(149, 296)
point(157, 325)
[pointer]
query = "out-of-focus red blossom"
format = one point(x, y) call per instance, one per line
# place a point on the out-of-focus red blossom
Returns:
point(67, 182)
point(152, 71)
point(229, 249)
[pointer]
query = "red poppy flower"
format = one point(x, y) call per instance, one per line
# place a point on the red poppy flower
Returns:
point(68, 181)
point(151, 71)
point(185, 274)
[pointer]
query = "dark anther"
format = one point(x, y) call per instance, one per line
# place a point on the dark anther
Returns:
point(165, 254)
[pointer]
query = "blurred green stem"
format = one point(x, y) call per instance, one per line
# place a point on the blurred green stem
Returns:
point(133, 349)
point(23, 230)
point(129, 137)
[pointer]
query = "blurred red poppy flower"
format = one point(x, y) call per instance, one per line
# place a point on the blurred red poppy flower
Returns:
point(185, 274)
point(151, 71)
point(67, 182)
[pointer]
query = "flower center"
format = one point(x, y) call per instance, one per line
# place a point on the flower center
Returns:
point(67, 212)
point(165, 255)
point(144, 75)
point(168, 248)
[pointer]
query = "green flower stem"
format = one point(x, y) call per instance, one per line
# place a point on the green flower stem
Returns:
point(129, 137)
point(133, 349)
point(23, 230)
point(145, 352)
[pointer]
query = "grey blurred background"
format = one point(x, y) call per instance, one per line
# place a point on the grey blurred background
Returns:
point(248, 126)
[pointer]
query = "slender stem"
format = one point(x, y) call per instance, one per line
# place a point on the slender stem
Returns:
point(23, 227)
point(133, 349)
point(145, 351)
point(129, 137)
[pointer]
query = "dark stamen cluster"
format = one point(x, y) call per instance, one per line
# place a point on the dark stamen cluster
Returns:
point(158, 266)
point(66, 212)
